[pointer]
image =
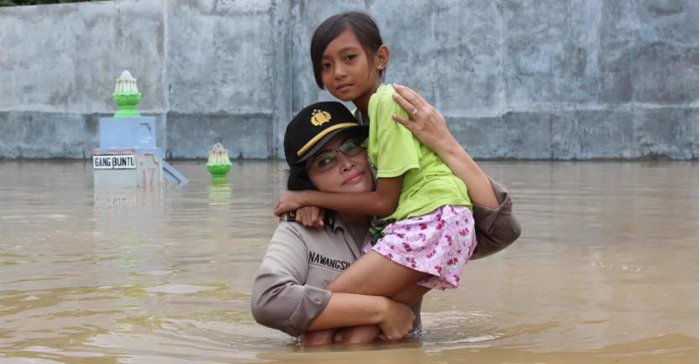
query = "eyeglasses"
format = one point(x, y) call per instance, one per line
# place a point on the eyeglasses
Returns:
point(329, 159)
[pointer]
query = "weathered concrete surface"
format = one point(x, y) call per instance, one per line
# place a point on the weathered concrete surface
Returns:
point(245, 135)
point(582, 134)
point(47, 135)
point(66, 58)
point(548, 79)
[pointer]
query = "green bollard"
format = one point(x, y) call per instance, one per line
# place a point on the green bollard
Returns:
point(219, 163)
point(127, 96)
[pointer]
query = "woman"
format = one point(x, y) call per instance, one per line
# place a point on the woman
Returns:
point(322, 149)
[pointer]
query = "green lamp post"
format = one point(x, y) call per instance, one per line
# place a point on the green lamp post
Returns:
point(127, 96)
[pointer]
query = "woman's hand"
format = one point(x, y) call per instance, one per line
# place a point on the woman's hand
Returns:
point(289, 201)
point(429, 126)
point(425, 122)
point(310, 216)
point(397, 320)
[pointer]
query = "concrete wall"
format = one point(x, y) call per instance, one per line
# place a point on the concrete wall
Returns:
point(540, 79)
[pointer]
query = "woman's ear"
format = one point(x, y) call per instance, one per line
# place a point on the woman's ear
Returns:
point(382, 57)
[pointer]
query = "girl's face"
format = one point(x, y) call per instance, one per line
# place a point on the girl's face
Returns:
point(341, 166)
point(348, 72)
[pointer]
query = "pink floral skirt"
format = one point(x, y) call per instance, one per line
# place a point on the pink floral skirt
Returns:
point(438, 243)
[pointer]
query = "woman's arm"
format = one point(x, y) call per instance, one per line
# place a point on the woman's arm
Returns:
point(429, 126)
point(497, 226)
point(348, 309)
point(380, 202)
point(280, 298)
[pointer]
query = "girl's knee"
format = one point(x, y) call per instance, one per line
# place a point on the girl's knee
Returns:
point(357, 335)
point(317, 338)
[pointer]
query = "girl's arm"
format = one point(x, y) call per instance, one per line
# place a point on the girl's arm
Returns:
point(380, 202)
point(429, 126)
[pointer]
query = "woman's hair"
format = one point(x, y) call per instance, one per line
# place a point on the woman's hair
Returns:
point(364, 27)
point(298, 179)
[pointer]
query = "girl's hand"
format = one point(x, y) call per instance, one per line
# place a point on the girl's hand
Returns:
point(288, 201)
point(310, 216)
point(425, 122)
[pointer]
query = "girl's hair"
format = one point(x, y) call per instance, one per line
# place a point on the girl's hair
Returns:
point(364, 27)
point(298, 179)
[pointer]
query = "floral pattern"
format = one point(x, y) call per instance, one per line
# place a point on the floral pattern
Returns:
point(438, 243)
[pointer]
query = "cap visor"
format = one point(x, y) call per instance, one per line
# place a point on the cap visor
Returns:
point(361, 130)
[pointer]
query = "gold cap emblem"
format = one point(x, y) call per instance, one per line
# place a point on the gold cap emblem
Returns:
point(319, 117)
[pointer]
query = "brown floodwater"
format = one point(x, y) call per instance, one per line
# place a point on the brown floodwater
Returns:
point(606, 270)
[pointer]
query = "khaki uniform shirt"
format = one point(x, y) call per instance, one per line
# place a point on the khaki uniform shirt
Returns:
point(289, 288)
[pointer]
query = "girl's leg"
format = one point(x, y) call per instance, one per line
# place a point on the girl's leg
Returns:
point(401, 287)
point(357, 334)
point(373, 274)
point(318, 337)
point(367, 334)
point(410, 294)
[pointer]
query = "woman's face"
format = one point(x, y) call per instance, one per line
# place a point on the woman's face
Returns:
point(341, 166)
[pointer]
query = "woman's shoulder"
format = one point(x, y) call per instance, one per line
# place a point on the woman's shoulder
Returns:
point(293, 227)
point(294, 230)
point(288, 230)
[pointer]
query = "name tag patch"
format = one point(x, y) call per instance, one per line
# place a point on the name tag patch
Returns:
point(319, 259)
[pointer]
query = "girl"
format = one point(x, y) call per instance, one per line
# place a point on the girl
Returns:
point(425, 231)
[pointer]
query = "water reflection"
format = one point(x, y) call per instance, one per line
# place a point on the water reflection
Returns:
point(606, 270)
point(220, 192)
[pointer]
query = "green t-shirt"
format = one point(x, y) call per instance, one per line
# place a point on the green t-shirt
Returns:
point(428, 182)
